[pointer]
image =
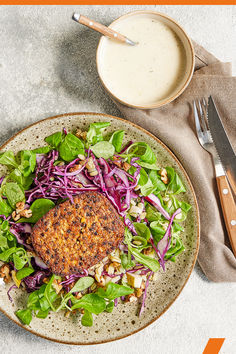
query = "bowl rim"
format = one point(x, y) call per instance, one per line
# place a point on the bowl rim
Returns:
point(76, 114)
point(167, 100)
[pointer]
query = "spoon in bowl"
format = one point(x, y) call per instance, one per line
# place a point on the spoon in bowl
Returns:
point(106, 31)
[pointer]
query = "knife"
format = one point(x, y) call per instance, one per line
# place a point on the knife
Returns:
point(222, 143)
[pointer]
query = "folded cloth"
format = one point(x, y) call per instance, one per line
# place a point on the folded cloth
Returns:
point(174, 125)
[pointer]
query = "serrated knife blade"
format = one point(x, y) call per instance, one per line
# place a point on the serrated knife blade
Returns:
point(222, 143)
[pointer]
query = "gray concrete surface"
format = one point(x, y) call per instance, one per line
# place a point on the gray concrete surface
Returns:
point(47, 67)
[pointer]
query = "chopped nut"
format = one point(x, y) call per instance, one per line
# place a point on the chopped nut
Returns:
point(93, 286)
point(115, 279)
point(75, 168)
point(98, 278)
point(118, 163)
point(5, 273)
point(19, 207)
point(131, 298)
point(164, 176)
point(56, 285)
point(29, 240)
point(26, 213)
point(148, 250)
point(110, 269)
point(78, 296)
point(126, 166)
point(81, 311)
point(81, 157)
point(90, 165)
point(15, 216)
point(139, 292)
point(143, 285)
point(115, 259)
point(80, 134)
point(67, 314)
point(93, 173)
point(102, 282)
point(115, 264)
point(143, 215)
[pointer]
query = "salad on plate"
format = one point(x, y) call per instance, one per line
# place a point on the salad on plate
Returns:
point(87, 222)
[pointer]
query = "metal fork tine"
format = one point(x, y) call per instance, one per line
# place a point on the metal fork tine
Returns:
point(202, 117)
point(196, 119)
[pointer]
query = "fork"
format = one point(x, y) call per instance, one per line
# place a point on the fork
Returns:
point(226, 196)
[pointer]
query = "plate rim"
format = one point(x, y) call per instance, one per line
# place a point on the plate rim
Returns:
point(196, 207)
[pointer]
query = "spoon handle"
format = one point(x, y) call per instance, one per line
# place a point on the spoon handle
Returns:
point(106, 31)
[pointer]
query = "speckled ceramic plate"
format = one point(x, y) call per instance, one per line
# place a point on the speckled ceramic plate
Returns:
point(123, 321)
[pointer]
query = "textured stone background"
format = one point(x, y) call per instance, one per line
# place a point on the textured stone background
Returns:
point(47, 67)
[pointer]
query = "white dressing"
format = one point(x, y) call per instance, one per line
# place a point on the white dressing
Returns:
point(146, 73)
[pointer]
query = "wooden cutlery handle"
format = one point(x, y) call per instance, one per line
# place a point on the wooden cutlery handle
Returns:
point(228, 208)
point(106, 31)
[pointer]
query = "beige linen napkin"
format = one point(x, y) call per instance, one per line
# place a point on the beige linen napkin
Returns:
point(174, 125)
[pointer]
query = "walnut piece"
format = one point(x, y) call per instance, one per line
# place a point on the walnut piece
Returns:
point(5, 273)
point(164, 176)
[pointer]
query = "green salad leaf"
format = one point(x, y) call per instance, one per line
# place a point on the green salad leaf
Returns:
point(25, 316)
point(87, 319)
point(117, 139)
point(14, 193)
point(113, 291)
point(54, 140)
point(94, 134)
point(103, 149)
point(82, 284)
point(39, 208)
point(92, 303)
point(71, 147)
point(7, 158)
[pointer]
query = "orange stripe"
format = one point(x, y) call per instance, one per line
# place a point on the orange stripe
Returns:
point(213, 345)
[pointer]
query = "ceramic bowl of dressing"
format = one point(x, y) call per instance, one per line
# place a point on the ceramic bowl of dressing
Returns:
point(156, 70)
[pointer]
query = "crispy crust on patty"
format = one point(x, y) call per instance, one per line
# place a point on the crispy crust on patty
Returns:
point(74, 237)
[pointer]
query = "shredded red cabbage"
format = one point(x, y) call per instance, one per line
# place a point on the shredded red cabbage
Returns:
point(155, 201)
point(145, 294)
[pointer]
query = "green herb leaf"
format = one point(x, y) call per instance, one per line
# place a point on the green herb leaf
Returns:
point(71, 147)
point(14, 193)
point(16, 176)
point(42, 314)
point(87, 319)
point(4, 256)
point(25, 316)
point(149, 262)
point(142, 230)
point(126, 261)
point(175, 185)
point(117, 139)
point(8, 158)
point(82, 284)
point(42, 150)
point(94, 134)
point(24, 272)
point(33, 301)
point(156, 181)
point(103, 149)
point(54, 140)
point(149, 166)
point(110, 306)
point(91, 302)
point(114, 291)
point(19, 262)
point(39, 208)
point(5, 208)
point(28, 162)
point(143, 151)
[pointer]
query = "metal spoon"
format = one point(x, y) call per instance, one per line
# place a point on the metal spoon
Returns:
point(106, 31)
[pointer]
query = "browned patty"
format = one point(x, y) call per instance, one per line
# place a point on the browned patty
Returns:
point(73, 237)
